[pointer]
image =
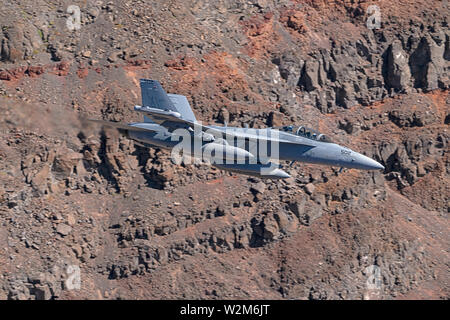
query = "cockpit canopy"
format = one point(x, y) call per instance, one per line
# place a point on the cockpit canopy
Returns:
point(304, 132)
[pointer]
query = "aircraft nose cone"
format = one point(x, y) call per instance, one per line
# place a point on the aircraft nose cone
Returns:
point(379, 166)
point(367, 163)
point(281, 174)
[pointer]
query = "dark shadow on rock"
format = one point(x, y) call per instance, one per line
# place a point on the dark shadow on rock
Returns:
point(105, 169)
point(257, 239)
point(152, 178)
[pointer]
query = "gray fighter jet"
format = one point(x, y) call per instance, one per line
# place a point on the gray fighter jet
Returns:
point(169, 123)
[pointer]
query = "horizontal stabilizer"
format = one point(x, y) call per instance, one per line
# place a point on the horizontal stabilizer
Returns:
point(117, 125)
point(158, 115)
point(171, 120)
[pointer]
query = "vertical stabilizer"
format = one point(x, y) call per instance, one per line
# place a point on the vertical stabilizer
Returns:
point(154, 96)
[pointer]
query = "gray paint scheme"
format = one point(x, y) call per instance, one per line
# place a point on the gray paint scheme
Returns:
point(164, 113)
point(181, 104)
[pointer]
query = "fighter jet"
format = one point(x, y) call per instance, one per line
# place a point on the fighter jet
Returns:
point(169, 123)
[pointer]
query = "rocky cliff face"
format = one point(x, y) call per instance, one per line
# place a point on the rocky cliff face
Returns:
point(79, 200)
point(376, 66)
